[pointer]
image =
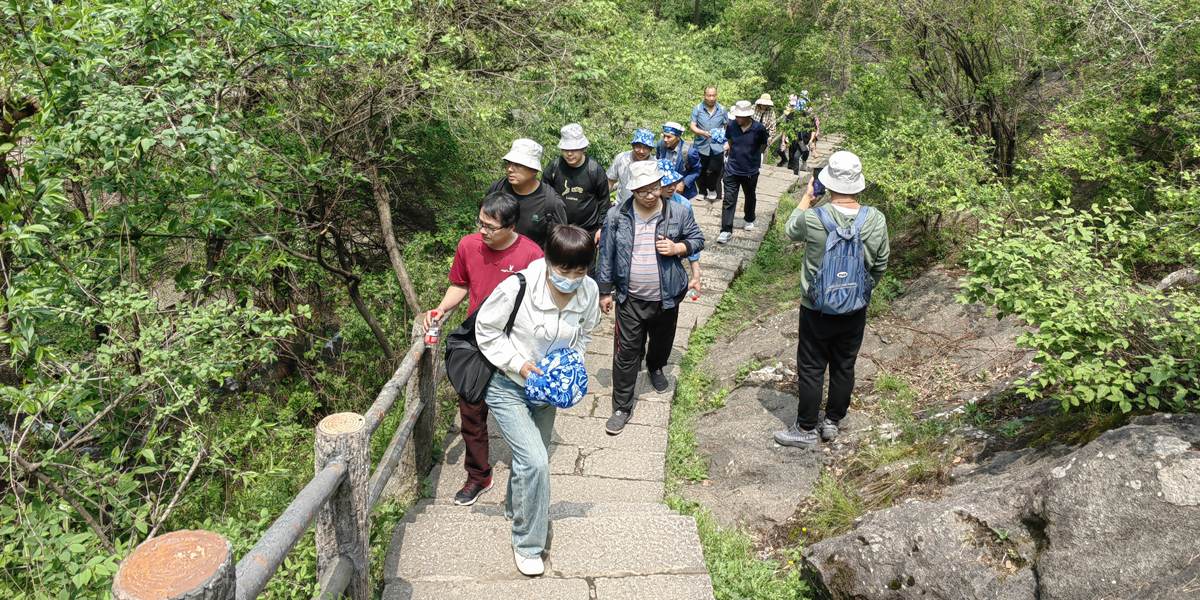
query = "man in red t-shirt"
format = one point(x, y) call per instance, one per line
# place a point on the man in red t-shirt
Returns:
point(482, 261)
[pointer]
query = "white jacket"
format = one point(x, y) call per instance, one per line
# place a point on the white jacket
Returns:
point(540, 326)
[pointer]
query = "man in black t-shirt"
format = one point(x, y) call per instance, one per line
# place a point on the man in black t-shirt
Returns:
point(580, 181)
point(541, 207)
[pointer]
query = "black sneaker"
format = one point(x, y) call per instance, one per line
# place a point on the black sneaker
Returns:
point(659, 381)
point(471, 492)
point(616, 423)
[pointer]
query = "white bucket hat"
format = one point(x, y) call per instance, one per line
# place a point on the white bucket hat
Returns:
point(765, 100)
point(525, 152)
point(573, 138)
point(743, 108)
point(843, 174)
point(643, 173)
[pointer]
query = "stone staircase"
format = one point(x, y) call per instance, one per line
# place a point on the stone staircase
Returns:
point(611, 537)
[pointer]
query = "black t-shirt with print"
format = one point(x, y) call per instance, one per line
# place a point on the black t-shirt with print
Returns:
point(584, 190)
point(540, 210)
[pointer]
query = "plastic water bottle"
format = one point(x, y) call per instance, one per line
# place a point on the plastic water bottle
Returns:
point(433, 334)
point(693, 294)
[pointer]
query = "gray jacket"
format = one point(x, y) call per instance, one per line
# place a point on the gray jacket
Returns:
point(616, 250)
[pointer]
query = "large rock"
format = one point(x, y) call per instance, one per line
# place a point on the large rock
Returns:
point(1116, 518)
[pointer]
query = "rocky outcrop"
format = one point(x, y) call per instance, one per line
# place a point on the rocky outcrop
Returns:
point(1118, 518)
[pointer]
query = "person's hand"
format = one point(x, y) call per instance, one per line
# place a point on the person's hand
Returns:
point(727, 146)
point(694, 284)
point(679, 187)
point(705, 134)
point(606, 303)
point(430, 317)
point(528, 368)
point(668, 248)
point(815, 155)
point(597, 242)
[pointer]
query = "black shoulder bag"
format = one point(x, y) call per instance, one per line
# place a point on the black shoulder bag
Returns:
point(466, 367)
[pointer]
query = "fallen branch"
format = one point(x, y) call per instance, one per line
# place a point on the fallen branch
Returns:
point(1184, 276)
point(179, 492)
point(54, 487)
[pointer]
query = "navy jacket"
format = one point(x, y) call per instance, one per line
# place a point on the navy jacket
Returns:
point(616, 250)
point(688, 165)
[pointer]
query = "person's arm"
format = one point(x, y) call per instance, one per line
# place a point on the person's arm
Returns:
point(700, 132)
point(490, 320)
point(591, 318)
point(455, 294)
point(878, 245)
point(796, 228)
point(693, 160)
point(812, 144)
point(693, 238)
point(694, 283)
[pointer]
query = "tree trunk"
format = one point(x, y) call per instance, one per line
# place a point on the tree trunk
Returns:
point(365, 311)
point(1186, 276)
point(344, 523)
point(697, 17)
point(383, 203)
point(181, 565)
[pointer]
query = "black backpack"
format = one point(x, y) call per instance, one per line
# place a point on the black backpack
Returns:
point(466, 367)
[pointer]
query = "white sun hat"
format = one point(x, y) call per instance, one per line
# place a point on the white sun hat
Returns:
point(843, 174)
point(573, 138)
point(525, 152)
point(743, 108)
point(643, 173)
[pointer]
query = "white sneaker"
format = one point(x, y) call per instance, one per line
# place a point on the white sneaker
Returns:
point(724, 237)
point(529, 566)
point(711, 195)
point(749, 227)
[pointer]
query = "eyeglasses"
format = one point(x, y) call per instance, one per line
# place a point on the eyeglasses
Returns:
point(646, 193)
point(484, 228)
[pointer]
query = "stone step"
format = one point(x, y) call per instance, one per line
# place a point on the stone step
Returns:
point(562, 510)
point(593, 547)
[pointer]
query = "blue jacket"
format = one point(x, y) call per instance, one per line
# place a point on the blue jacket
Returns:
point(616, 250)
point(688, 165)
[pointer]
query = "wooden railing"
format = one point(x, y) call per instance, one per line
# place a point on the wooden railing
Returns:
point(198, 565)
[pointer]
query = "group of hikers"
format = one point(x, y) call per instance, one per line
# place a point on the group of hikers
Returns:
point(552, 253)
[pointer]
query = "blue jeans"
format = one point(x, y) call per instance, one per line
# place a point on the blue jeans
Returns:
point(527, 431)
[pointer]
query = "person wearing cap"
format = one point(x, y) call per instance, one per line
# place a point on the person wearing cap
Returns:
point(707, 116)
point(618, 172)
point(640, 264)
point(559, 309)
point(580, 181)
point(671, 177)
point(830, 341)
point(746, 139)
point(684, 158)
point(483, 259)
point(764, 112)
point(541, 207)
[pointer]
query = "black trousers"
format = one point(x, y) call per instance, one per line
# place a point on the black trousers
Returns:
point(636, 321)
point(711, 166)
point(827, 341)
point(748, 184)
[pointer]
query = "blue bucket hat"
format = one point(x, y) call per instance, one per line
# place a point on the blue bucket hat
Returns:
point(564, 383)
point(718, 134)
point(673, 128)
point(643, 136)
point(670, 175)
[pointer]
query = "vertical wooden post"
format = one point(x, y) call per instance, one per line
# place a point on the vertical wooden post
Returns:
point(424, 386)
point(191, 565)
point(344, 525)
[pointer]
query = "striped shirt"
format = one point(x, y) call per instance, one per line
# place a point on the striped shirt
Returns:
point(644, 280)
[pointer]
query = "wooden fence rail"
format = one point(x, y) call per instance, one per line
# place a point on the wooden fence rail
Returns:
point(198, 565)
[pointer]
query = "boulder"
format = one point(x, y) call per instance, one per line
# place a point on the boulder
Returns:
point(1117, 518)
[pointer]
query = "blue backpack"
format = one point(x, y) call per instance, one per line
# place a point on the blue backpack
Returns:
point(842, 285)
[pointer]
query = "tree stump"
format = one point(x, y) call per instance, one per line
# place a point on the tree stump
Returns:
point(183, 565)
point(343, 525)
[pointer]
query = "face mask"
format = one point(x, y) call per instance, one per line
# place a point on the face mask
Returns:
point(563, 284)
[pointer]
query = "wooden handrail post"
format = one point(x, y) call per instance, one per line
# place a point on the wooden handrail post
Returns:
point(191, 565)
point(344, 525)
point(424, 387)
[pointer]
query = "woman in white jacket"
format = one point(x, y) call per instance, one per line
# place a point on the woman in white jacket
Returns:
point(560, 309)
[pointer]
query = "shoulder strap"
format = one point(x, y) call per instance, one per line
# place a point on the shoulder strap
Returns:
point(860, 220)
point(512, 318)
point(830, 226)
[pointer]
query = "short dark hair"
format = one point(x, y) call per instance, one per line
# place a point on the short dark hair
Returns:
point(503, 207)
point(711, 87)
point(571, 247)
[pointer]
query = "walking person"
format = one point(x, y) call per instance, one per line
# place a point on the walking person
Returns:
point(746, 140)
point(541, 207)
point(670, 179)
point(800, 138)
point(707, 116)
point(558, 309)
point(580, 181)
point(644, 241)
point(764, 112)
point(683, 157)
point(834, 295)
point(618, 172)
point(482, 260)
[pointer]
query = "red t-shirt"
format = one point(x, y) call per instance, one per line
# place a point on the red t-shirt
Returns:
point(480, 269)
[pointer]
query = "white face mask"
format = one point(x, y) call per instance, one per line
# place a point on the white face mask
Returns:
point(565, 284)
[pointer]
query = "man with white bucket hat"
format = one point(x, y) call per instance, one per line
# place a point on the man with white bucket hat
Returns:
point(541, 207)
point(831, 333)
point(645, 240)
point(746, 139)
point(580, 181)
